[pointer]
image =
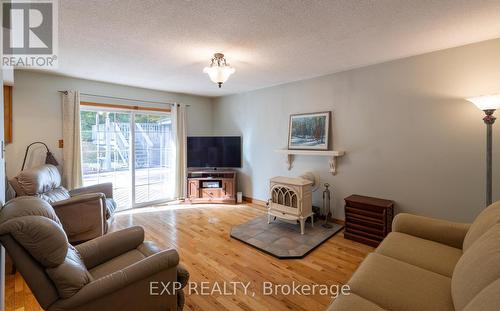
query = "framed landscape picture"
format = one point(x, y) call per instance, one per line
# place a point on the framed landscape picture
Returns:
point(309, 131)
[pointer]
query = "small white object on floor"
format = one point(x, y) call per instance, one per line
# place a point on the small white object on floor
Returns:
point(239, 197)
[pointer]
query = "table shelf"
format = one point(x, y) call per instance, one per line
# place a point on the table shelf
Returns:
point(332, 154)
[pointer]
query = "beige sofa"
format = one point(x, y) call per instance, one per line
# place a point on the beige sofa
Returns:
point(430, 264)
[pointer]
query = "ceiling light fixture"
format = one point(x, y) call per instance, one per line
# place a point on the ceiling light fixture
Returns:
point(219, 70)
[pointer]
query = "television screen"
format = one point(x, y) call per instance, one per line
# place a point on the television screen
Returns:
point(213, 151)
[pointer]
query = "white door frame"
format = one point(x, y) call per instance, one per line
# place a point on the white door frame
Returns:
point(131, 159)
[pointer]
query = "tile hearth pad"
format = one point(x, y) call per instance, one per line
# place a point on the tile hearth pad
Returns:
point(282, 239)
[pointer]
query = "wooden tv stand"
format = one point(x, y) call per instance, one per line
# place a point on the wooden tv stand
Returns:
point(211, 186)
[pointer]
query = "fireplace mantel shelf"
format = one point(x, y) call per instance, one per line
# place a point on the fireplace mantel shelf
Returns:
point(332, 154)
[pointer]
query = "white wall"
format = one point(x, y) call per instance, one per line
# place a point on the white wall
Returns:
point(408, 133)
point(37, 111)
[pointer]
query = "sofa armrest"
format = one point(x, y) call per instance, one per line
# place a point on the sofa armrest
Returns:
point(437, 230)
point(106, 188)
point(82, 217)
point(131, 283)
point(111, 245)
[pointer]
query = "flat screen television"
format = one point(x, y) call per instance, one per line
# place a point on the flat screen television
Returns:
point(213, 151)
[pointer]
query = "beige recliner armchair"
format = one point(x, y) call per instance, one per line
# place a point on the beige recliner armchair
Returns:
point(112, 272)
point(85, 213)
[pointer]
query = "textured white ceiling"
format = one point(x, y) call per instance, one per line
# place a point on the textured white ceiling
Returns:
point(165, 44)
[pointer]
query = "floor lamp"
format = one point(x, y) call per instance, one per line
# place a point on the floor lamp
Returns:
point(49, 158)
point(488, 104)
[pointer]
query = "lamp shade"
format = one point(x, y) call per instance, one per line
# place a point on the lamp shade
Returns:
point(50, 159)
point(487, 102)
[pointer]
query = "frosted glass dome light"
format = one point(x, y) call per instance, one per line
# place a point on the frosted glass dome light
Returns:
point(219, 70)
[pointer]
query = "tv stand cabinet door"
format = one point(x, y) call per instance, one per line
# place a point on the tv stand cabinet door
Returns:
point(193, 189)
point(228, 188)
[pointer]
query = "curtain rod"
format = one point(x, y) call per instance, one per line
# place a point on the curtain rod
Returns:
point(123, 98)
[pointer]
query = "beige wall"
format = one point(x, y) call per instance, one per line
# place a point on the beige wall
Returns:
point(408, 133)
point(37, 111)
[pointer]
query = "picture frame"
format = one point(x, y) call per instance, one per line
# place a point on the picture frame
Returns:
point(309, 131)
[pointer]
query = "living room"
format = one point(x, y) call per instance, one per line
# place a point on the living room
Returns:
point(269, 155)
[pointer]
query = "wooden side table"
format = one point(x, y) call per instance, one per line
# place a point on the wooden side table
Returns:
point(368, 220)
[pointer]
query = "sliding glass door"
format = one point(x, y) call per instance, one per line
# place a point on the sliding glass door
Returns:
point(142, 171)
point(105, 141)
point(153, 174)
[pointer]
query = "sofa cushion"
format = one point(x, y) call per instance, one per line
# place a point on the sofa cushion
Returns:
point(396, 285)
point(37, 180)
point(117, 263)
point(70, 276)
point(420, 252)
point(487, 300)
point(486, 219)
point(478, 268)
point(353, 302)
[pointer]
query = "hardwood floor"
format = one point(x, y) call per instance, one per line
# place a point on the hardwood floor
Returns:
point(201, 235)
